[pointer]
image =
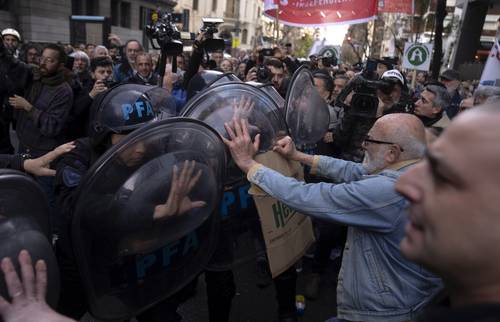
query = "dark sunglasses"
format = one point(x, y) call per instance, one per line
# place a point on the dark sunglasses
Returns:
point(370, 140)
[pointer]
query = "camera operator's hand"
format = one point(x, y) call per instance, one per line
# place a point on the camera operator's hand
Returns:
point(251, 75)
point(99, 87)
point(20, 103)
point(114, 39)
point(201, 37)
point(178, 201)
point(328, 138)
point(41, 166)
point(28, 293)
point(169, 78)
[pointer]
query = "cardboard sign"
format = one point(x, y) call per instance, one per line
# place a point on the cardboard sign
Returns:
point(287, 233)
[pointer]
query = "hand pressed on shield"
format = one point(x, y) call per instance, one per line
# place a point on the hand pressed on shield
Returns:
point(178, 201)
point(243, 109)
point(40, 166)
point(241, 146)
point(28, 295)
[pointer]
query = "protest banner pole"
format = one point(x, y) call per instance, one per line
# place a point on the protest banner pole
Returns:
point(414, 79)
point(277, 24)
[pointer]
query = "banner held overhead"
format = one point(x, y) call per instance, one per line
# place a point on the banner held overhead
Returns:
point(321, 12)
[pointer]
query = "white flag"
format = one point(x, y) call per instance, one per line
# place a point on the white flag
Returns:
point(270, 5)
point(491, 71)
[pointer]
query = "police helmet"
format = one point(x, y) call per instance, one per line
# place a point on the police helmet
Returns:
point(121, 110)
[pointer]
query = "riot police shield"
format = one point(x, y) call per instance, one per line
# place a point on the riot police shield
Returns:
point(307, 114)
point(269, 89)
point(207, 78)
point(219, 104)
point(144, 224)
point(24, 224)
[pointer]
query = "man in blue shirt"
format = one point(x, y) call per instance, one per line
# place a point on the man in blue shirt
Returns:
point(375, 282)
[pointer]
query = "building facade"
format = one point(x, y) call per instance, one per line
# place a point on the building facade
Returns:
point(67, 21)
point(242, 18)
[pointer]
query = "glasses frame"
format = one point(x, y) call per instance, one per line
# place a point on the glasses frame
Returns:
point(368, 139)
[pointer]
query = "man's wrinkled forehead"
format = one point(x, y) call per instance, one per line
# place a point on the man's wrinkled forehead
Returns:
point(471, 145)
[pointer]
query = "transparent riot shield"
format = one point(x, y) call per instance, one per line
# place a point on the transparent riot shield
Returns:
point(307, 114)
point(144, 223)
point(24, 224)
point(219, 104)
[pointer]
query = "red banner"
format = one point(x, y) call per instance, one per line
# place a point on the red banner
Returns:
point(321, 12)
point(396, 6)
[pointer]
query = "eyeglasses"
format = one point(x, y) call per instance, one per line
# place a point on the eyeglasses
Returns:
point(368, 139)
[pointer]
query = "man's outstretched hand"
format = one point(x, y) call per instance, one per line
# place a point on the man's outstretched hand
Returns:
point(41, 166)
point(240, 144)
point(28, 294)
point(178, 201)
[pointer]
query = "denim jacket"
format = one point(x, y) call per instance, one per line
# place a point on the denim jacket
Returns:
point(375, 282)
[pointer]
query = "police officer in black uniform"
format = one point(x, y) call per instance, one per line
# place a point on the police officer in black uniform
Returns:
point(112, 120)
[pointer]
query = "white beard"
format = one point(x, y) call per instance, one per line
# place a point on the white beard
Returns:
point(375, 162)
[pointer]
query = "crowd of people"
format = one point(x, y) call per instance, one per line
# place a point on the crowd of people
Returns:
point(402, 196)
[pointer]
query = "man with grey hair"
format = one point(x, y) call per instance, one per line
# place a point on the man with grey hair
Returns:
point(100, 51)
point(375, 282)
point(484, 92)
point(430, 107)
point(81, 66)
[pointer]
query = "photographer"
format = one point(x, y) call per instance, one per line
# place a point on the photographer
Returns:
point(101, 71)
point(272, 71)
point(364, 100)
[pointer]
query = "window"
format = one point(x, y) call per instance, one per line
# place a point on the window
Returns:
point(4, 5)
point(195, 4)
point(125, 14)
point(214, 5)
point(115, 12)
point(92, 8)
point(244, 36)
point(76, 7)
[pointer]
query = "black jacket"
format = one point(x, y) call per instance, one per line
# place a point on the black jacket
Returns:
point(41, 129)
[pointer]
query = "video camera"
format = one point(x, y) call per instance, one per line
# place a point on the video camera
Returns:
point(264, 75)
point(163, 33)
point(364, 102)
point(210, 27)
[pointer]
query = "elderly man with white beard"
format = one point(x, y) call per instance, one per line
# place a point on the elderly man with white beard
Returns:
point(376, 283)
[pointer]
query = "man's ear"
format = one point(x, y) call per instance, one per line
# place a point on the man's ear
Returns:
point(392, 155)
point(436, 109)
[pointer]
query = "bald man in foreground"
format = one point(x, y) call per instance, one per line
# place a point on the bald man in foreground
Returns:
point(375, 282)
point(454, 224)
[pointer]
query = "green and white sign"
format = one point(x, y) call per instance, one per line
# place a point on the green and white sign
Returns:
point(417, 56)
point(329, 51)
